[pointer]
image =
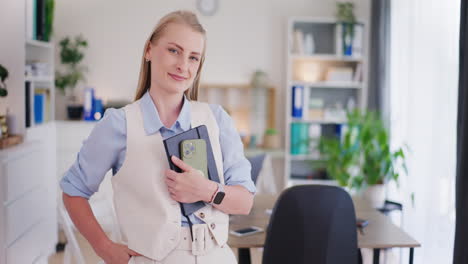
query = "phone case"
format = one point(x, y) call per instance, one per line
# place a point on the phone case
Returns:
point(172, 146)
point(193, 152)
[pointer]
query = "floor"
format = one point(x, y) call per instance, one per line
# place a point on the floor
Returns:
point(91, 257)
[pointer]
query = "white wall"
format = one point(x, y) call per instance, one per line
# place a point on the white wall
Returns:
point(242, 36)
point(12, 56)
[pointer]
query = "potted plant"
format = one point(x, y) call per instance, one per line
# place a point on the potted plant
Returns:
point(271, 139)
point(3, 76)
point(3, 93)
point(347, 19)
point(362, 159)
point(71, 55)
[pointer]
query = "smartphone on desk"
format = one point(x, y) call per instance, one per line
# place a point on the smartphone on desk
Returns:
point(246, 231)
point(193, 152)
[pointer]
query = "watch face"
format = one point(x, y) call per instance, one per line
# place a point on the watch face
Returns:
point(207, 7)
point(219, 198)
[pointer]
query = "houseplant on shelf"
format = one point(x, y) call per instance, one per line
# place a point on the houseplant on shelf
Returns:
point(3, 93)
point(71, 55)
point(362, 159)
point(345, 16)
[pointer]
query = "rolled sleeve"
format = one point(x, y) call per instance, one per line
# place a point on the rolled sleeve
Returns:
point(237, 169)
point(100, 152)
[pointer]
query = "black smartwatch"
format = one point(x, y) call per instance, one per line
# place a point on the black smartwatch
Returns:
point(219, 195)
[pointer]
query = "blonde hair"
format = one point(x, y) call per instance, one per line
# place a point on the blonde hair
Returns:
point(181, 17)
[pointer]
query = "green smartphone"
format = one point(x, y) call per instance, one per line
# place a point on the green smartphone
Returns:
point(193, 152)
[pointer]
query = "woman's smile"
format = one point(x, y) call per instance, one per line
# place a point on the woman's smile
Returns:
point(177, 77)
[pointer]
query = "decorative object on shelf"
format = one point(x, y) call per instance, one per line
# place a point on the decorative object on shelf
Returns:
point(316, 108)
point(309, 44)
point(3, 77)
point(339, 74)
point(347, 20)
point(271, 139)
point(71, 55)
point(362, 158)
point(49, 19)
point(335, 113)
point(208, 7)
point(10, 141)
point(3, 126)
point(298, 43)
point(88, 104)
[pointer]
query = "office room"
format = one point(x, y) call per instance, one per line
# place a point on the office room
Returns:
point(263, 131)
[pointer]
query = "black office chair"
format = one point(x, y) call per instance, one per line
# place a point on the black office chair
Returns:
point(312, 224)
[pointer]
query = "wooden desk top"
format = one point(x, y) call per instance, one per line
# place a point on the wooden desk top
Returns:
point(380, 233)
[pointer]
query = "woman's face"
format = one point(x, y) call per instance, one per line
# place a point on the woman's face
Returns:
point(175, 58)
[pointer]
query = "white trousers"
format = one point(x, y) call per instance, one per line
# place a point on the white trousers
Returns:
point(203, 250)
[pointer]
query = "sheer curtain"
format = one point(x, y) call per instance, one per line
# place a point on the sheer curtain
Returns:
point(423, 99)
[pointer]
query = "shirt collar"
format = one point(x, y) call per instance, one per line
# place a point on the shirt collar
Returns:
point(151, 120)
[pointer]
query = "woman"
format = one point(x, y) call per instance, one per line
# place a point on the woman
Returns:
point(146, 192)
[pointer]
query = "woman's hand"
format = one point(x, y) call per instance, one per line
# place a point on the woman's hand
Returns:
point(113, 253)
point(189, 186)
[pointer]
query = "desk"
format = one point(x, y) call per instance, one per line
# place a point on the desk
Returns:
point(381, 233)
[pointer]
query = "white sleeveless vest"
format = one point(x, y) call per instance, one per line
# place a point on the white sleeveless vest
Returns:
point(149, 219)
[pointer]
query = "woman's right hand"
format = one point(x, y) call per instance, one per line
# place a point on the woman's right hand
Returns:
point(113, 253)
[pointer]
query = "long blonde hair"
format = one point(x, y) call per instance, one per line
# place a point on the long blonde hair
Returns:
point(182, 17)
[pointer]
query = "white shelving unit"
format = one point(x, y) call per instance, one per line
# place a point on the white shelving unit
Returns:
point(28, 193)
point(43, 52)
point(328, 54)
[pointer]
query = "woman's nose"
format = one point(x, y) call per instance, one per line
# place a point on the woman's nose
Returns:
point(182, 65)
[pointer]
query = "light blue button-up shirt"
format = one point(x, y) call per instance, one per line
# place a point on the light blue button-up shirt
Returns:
point(105, 149)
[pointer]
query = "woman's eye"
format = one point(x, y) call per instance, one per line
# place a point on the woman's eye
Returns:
point(194, 58)
point(173, 50)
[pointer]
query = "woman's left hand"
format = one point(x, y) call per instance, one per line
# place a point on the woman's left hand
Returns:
point(189, 186)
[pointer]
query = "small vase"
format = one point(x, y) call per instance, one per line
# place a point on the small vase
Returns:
point(375, 195)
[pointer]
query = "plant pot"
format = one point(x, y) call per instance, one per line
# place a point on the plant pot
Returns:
point(75, 112)
point(375, 195)
point(271, 141)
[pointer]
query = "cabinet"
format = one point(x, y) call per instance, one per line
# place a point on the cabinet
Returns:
point(28, 219)
point(322, 84)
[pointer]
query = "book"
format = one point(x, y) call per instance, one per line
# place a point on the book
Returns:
point(46, 92)
point(27, 104)
point(39, 108)
point(295, 138)
point(31, 19)
point(172, 147)
point(40, 19)
point(297, 101)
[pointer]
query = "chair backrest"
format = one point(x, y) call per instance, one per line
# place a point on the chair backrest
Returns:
point(312, 224)
point(257, 163)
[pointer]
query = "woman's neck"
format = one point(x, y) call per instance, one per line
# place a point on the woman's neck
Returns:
point(168, 105)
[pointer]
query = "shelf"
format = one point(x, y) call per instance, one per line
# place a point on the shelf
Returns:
point(40, 79)
point(293, 182)
point(40, 44)
point(305, 157)
point(318, 122)
point(274, 153)
point(330, 85)
point(326, 57)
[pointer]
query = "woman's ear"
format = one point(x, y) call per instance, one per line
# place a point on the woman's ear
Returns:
point(148, 52)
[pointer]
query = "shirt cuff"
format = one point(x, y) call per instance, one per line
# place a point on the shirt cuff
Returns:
point(70, 189)
point(249, 185)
